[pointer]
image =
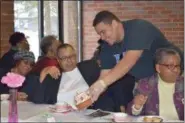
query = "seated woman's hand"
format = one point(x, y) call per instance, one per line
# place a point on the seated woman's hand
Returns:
point(122, 108)
point(139, 101)
point(51, 70)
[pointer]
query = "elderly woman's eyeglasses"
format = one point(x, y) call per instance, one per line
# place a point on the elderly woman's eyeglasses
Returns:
point(170, 66)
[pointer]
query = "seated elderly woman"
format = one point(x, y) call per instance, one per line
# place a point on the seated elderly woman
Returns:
point(24, 60)
point(48, 47)
point(161, 94)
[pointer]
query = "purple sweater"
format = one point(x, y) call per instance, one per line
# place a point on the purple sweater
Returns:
point(149, 86)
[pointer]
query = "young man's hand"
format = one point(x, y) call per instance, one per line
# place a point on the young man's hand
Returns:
point(97, 89)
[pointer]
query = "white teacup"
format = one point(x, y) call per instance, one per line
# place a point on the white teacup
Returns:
point(120, 117)
point(4, 97)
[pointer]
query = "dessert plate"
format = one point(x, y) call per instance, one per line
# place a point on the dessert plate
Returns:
point(150, 119)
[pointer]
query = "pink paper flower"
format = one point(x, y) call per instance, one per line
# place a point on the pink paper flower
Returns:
point(13, 80)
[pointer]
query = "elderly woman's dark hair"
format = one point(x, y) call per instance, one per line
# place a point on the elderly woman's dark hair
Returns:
point(161, 52)
point(46, 43)
point(16, 37)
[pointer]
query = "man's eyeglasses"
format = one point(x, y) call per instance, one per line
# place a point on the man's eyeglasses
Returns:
point(170, 66)
point(65, 58)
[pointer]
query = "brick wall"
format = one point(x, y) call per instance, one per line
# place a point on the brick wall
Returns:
point(7, 24)
point(70, 23)
point(166, 15)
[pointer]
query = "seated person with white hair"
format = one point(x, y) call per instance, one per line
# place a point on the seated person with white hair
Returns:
point(163, 93)
point(75, 78)
point(48, 47)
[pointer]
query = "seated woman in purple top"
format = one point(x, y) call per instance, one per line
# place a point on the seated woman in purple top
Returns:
point(163, 93)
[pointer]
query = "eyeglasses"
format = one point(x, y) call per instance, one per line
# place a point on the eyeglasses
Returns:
point(65, 58)
point(170, 66)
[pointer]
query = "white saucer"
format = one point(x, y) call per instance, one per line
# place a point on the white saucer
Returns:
point(121, 117)
point(59, 110)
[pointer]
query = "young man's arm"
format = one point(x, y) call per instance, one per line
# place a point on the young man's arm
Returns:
point(115, 73)
point(123, 66)
point(103, 73)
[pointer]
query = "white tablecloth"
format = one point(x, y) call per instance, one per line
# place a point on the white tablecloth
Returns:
point(30, 112)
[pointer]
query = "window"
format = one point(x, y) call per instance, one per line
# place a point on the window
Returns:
point(27, 16)
point(51, 18)
point(71, 27)
point(47, 17)
point(26, 21)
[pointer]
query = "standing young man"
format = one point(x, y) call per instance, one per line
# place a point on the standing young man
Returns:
point(128, 48)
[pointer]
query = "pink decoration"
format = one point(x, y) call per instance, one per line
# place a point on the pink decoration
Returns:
point(13, 80)
point(13, 113)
